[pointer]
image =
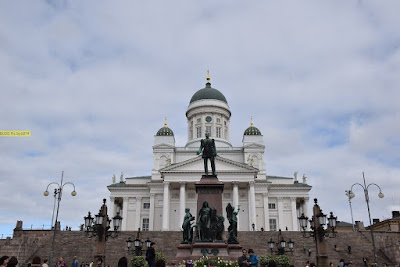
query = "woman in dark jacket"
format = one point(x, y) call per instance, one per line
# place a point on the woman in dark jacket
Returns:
point(151, 255)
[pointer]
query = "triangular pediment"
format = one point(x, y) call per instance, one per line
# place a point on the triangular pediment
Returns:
point(163, 146)
point(253, 145)
point(196, 165)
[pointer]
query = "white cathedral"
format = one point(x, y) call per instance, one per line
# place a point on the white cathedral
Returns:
point(158, 202)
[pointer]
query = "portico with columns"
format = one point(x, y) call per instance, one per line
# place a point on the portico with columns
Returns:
point(158, 201)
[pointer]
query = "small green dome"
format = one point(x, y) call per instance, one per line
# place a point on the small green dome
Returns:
point(165, 131)
point(252, 131)
point(208, 93)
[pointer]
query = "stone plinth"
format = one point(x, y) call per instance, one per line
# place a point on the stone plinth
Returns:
point(210, 189)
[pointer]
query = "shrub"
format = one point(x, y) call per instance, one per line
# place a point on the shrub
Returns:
point(265, 259)
point(161, 256)
point(282, 261)
point(216, 262)
point(139, 261)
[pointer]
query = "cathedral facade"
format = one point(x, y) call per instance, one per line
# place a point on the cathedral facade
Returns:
point(158, 201)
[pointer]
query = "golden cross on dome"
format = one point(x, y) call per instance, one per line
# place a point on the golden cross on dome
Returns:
point(165, 122)
point(208, 75)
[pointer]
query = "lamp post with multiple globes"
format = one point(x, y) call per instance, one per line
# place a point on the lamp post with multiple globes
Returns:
point(380, 195)
point(99, 226)
point(318, 232)
point(57, 195)
point(281, 244)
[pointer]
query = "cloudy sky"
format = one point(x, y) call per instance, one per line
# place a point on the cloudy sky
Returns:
point(93, 81)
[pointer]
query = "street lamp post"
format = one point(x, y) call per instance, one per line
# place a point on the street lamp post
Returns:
point(58, 195)
point(281, 244)
point(319, 233)
point(380, 195)
point(351, 209)
point(99, 226)
point(137, 244)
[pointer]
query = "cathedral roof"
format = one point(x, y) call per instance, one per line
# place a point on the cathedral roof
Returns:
point(165, 130)
point(208, 93)
point(252, 130)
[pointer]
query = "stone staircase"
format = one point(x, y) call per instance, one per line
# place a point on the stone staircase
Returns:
point(29, 244)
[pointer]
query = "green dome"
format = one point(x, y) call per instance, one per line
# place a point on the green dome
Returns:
point(208, 93)
point(165, 131)
point(252, 131)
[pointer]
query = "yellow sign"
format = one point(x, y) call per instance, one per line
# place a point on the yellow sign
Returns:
point(15, 133)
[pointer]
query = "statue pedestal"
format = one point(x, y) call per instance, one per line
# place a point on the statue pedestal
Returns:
point(211, 249)
point(210, 189)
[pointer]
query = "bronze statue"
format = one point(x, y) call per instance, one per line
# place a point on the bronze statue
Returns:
point(204, 223)
point(231, 214)
point(217, 225)
point(187, 227)
point(209, 152)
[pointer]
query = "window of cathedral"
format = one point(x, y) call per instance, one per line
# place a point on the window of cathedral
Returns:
point(218, 120)
point(218, 132)
point(272, 224)
point(225, 123)
point(145, 224)
point(199, 120)
point(208, 129)
point(146, 206)
point(271, 206)
point(198, 131)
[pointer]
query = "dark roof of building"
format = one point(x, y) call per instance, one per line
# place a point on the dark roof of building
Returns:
point(343, 224)
point(165, 131)
point(208, 93)
point(252, 131)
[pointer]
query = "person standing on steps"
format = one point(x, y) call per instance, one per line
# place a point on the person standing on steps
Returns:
point(151, 255)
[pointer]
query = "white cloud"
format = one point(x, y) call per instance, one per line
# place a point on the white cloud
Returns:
point(93, 81)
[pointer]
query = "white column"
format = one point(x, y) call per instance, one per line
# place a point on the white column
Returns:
point(305, 210)
point(182, 200)
point(280, 214)
point(294, 213)
point(124, 213)
point(165, 220)
point(111, 214)
point(235, 194)
point(138, 211)
point(151, 216)
point(253, 205)
point(266, 212)
point(235, 198)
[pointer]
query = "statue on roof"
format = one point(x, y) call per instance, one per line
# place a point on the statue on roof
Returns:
point(121, 178)
point(295, 176)
point(114, 179)
point(207, 146)
point(304, 179)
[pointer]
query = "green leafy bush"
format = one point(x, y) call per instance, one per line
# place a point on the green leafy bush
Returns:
point(282, 261)
point(265, 259)
point(215, 262)
point(161, 256)
point(139, 261)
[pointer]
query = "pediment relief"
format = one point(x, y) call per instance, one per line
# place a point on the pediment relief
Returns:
point(197, 165)
point(253, 145)
point(163, 146)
